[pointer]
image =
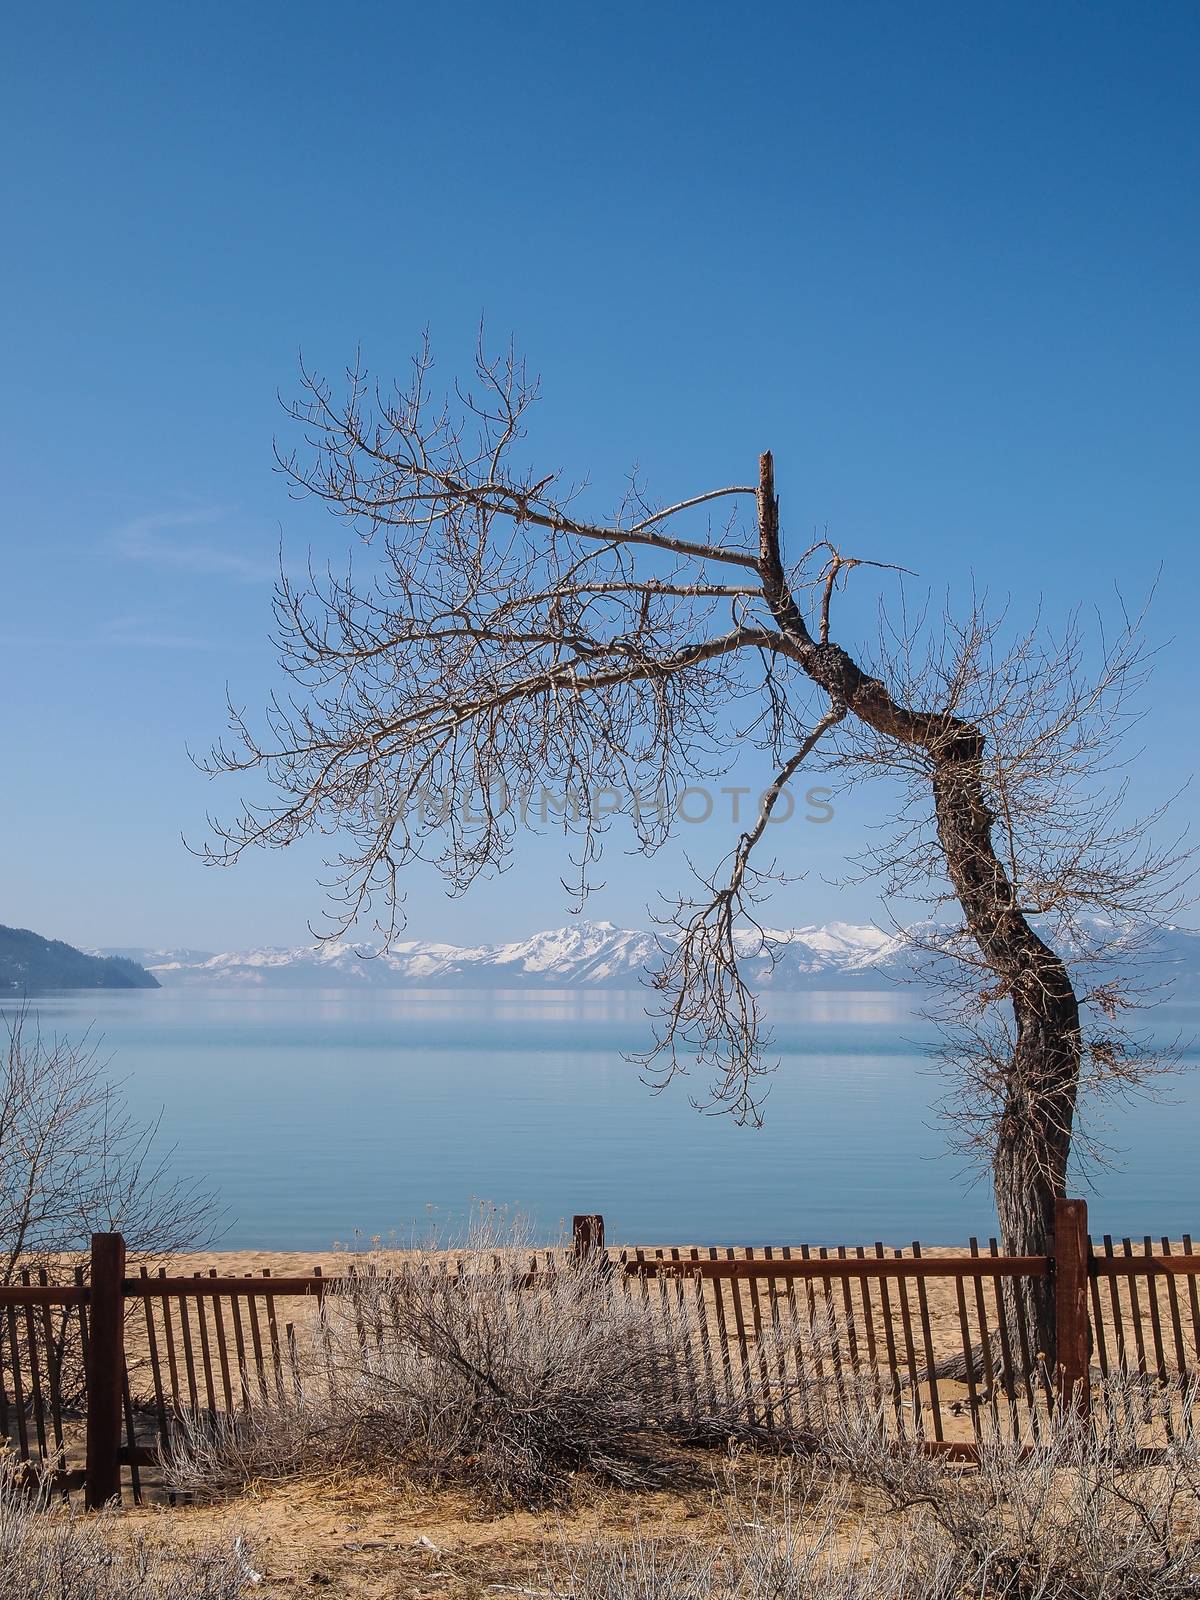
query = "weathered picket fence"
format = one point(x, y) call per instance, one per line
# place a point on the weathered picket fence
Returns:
point(776, 1334)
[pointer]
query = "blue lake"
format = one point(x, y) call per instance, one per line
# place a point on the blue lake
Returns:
point(318, 1114)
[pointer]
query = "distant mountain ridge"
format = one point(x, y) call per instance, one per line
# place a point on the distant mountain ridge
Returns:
point(31, 964)
point(838, 955)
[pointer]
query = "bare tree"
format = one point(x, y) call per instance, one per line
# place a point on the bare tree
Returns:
point(506, 637)
point(73, 1161)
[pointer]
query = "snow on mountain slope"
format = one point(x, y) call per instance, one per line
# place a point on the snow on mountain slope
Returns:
point(598, 954)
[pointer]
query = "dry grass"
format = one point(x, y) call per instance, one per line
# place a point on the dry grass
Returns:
point(867, 1520)
point(48, 1549)
point(1063, 1525)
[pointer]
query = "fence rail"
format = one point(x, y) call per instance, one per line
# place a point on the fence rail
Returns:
point(96, 1374)
point(835, 1267)
point(935, 1338)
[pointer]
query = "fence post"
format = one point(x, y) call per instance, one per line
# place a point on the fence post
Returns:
point(587, 1236)
point(1070, 1304)
point(105, 1370)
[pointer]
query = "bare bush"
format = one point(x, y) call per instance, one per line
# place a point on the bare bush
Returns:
point(484, 1372)
point(512, 1375)
point(220, 1454)
point(1082, 1512)
point(46, 1549)
point(74, 1161)
point(525, 1384)
point(1072, 1519)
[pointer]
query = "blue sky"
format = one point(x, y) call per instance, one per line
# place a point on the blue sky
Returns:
point(941, 258)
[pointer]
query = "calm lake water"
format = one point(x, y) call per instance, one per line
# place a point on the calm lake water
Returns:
point(318, 1114)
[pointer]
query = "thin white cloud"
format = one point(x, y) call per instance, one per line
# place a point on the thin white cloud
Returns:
point(165, 539)
point(139, 633)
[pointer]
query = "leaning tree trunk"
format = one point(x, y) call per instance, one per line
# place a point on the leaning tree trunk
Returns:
point(1033, 1144)
point(1033, 1139)
point(1039, 1083)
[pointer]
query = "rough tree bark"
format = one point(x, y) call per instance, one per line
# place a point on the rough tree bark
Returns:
point(1034, 1136)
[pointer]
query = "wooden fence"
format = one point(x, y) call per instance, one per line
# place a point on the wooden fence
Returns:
point(96, 1374)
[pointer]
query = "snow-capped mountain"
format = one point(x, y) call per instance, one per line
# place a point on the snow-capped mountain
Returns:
point(585, 953)
point(596, 954)
point(838, 955)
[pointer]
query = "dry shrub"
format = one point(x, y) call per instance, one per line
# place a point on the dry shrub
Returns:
point(48, 1549)
point(519, 1386)
point(475, 1373)
point(1084, 1514)
point(209, 1455)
